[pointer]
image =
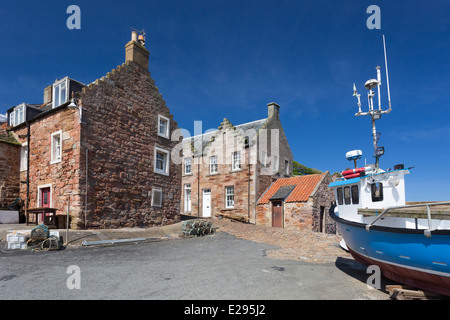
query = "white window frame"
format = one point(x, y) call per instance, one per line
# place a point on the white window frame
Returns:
point(187, 165)
point(58, 84)
point(213, 165)
point(229, 192)
point(166, 134)
point(165, 171)
point(236, 161)
point(187, 200)
point(24, 156)
point(12, 119)
point(286, 167)
point(14, 116)
point(56, 158)
point(154, 190)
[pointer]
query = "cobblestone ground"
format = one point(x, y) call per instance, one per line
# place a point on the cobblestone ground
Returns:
point(302, 245)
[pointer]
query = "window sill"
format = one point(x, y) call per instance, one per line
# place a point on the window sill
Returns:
point(187, 174)
point(162, 173)
point(213, 174)
point(163, 136)
point(235, 170)
point(55, 161)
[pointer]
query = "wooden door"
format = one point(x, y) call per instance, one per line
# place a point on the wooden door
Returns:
point(277, 214)
point(45, 197)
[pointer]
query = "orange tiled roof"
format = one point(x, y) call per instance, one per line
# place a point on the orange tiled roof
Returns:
point(305, 185)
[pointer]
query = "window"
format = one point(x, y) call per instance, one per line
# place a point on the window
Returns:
point(187, 198)
point(17, 116)
point(23, 158)
point(213, 167)
point(286, 167)
point(236, 158)
point(161, 161)
point(187, 165)
point(229, 197)
point(156, 197)
point(347, 195)
point(56, 152)
point(60, 92)
point(340, 196)
point(163, 126)
point(355, 194)
point(377, 191)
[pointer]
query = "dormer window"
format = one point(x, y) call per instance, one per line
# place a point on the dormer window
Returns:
point(60, 89)
point(17, 116)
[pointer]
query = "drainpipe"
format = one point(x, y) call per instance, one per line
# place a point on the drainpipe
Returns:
point(86, 191)
point(28, 171)
point(248, 189)
point(198, 189)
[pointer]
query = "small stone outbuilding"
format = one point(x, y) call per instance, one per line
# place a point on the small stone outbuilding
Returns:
point(300, 202)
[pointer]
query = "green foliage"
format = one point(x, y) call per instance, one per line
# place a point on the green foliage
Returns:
point(301, 170)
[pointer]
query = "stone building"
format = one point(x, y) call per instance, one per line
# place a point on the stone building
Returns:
point(300, 202)
point(227, 170)
point(9, 167)
point(104, 146)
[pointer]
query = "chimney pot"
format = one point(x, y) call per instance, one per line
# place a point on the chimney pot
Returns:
point(134, 36)
point(142, 40)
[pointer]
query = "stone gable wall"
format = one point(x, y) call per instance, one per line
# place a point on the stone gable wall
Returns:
point(120, 133)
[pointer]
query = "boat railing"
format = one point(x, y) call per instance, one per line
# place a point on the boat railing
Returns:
point(427, 232)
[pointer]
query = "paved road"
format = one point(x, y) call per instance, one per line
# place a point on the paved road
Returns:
point(212, 267)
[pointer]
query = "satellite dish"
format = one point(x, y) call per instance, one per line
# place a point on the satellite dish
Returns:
point(371, 84)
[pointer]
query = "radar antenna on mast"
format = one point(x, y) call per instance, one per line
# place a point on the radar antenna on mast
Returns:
point(375, 114)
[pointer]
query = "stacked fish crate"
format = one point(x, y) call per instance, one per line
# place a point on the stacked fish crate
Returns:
point(17, 240)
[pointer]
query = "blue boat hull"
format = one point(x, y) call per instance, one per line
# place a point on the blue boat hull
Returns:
point(403, 255)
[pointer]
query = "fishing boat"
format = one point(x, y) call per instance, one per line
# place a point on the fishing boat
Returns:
point(409, 242)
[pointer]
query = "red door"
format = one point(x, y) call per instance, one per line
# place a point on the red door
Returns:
point(277, 214)
point(45, 197)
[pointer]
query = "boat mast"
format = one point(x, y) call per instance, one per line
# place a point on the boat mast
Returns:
point(375, 114)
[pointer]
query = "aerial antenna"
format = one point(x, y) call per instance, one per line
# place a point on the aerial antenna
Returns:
point(387, 73)
point(139, 31)
point(375, 114)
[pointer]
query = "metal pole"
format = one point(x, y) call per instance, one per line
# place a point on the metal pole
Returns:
point(67, 221)
point(86, 192)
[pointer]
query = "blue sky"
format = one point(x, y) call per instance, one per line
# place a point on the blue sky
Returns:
point(215, 59)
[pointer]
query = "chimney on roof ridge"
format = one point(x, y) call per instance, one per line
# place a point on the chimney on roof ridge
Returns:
point(48, 94)
point(135, 50)
point(273, 110)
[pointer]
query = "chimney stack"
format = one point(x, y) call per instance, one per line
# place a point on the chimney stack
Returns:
point(273, 110)
point(48, 97)
point(136, 52)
